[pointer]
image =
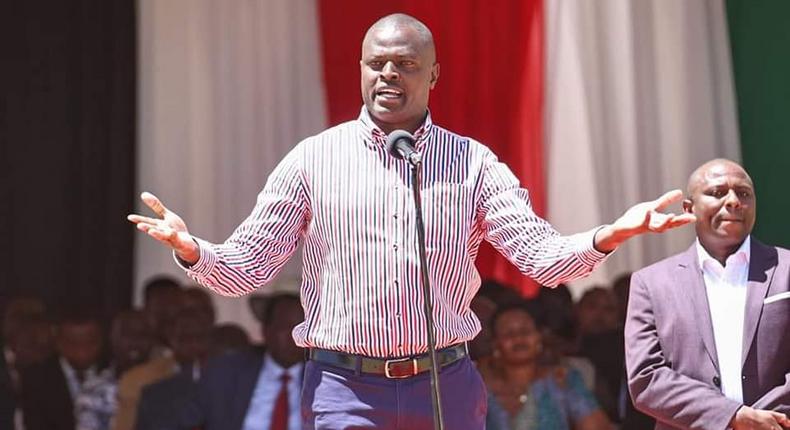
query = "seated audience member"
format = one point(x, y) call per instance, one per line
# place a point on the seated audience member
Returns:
point(491, 295)
point(481, 346)
point(50, 388)
point(256, 388)
point(228, 338)
point(160, 297)
point(131, 341)
point(162, 402)
point(160, 367)
point(526, 394)
point(708, 330)
point(558, 332)
point(27, 340)
point(198, 298)
point(27, 335)
point(600, 340)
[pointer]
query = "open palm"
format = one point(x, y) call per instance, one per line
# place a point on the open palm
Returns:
point(169, 228)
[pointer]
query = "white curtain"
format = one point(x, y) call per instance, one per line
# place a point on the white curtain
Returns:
point(639, 93)
point(226, 88)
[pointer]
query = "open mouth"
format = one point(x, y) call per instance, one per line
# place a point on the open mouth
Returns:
point(389, 93)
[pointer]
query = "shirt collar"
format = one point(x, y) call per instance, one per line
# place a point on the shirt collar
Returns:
point(294, 371)
point(740, 257)
point(71, 374)
point(373, 134)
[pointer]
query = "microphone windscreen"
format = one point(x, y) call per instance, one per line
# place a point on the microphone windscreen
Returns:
point(397, 136)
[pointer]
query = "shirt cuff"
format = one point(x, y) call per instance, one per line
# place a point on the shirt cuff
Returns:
point(588, 254)
point(205, 263)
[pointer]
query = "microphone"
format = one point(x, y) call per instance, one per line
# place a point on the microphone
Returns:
point(400, 144)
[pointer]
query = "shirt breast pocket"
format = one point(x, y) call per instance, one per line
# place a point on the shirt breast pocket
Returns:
point(776, 313)
point(448, 211)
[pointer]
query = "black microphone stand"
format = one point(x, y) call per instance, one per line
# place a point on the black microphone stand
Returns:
point(416, 179)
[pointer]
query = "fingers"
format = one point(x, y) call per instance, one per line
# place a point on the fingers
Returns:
point(158, 232)
point(685, 218)
point(144, 219)
point(780, 418)
point(667, 199)
point(154, 203)
point(679, 220)
point(660, 222)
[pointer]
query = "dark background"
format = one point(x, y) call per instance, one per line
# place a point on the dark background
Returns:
point(67, 150)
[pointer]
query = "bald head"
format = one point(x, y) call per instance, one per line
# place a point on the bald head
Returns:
point(398, 72)
point(721, 196)
point(713, 168)
point(421, 35)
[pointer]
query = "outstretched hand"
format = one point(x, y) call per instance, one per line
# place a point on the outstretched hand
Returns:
point(642, 218)
point(169, 229)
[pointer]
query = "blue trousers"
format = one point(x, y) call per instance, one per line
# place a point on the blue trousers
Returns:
point(339, 399)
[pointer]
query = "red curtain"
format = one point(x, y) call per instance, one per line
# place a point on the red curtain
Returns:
point(490, 87)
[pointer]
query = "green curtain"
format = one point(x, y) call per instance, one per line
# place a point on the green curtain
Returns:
point(760, 41)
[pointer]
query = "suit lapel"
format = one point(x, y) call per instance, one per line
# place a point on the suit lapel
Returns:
point(692, 282)
point(762, 264)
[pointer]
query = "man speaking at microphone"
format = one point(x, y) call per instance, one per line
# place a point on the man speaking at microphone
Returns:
point(350, 201)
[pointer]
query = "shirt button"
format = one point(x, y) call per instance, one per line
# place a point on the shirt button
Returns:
point(395, 216)
point(743, 378)
point(395, 246)
point(716, 381)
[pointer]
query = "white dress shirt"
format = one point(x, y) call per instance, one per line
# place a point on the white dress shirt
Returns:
point(259, 413)
point(726, 288)
point(73, 382)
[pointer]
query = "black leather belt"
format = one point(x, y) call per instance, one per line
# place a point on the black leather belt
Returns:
point(394, 368)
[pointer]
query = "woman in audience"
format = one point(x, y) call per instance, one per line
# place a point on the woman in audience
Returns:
point(525, 393)
point(131, 340)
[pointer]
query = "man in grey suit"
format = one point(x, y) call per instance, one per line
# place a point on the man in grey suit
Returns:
point(708, 330)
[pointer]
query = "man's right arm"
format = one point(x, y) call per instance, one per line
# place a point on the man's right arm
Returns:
point(259, 247)
point(655, 387)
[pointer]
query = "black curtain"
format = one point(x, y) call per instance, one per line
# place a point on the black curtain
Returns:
point(67, 150)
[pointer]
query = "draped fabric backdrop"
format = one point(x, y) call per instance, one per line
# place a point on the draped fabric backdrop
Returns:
point(638, 93)
point(635, 94)
point(226, 89)
point(67, 147)
point(489, 88)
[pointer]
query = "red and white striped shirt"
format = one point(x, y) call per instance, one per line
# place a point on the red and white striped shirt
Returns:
point(351, 203)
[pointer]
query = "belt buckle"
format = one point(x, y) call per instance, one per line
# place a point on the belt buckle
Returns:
point(389, 374)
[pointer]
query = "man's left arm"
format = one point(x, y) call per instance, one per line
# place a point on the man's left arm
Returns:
point(532, 245)
point(645, 217)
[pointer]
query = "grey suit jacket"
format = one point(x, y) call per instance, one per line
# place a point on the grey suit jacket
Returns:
point(673, 371)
